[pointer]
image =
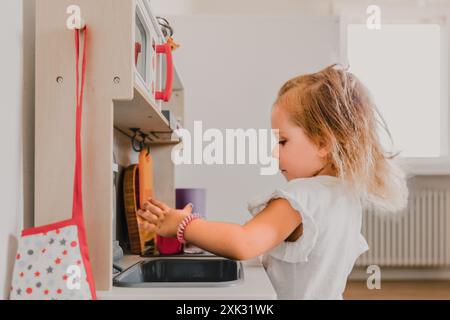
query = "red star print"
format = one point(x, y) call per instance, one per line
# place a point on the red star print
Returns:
point(59, 291)
point(18, 256)
point(37, 274)
point(21, 274)
point(78, 262)
point(65, 277)
point(57, 261)
point(64, 253)
point(46, 292)
point(73, 244)
point(29, 291)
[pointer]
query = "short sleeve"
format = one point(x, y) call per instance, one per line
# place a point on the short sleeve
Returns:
point(362, 245)
point(299, 250)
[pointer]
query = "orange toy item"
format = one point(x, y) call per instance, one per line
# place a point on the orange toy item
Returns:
point(138, 187)
point(145, 176)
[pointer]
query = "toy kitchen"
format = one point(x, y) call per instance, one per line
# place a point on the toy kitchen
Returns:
point(133, 105)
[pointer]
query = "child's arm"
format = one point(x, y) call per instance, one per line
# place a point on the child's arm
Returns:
point(264, 232)
point(273, 225)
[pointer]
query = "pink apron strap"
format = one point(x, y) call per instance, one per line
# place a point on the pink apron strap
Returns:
point(77, 206)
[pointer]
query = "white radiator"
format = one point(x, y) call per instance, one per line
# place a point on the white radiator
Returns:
point(419, 236)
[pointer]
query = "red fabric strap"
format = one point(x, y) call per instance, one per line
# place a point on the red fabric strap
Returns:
point(77, 206)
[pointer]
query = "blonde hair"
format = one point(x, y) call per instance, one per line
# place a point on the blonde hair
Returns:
point(335, 109)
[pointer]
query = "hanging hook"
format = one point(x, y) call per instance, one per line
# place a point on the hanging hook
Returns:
point(137, 148)
point(167, 30)
point(144, 137)
point(134, 140)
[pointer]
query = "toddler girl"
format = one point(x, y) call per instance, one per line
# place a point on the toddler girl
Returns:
point(309, 231)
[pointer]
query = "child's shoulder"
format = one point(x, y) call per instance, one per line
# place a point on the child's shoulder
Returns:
point(304, 193)
point(319, 192)
point(312, 183)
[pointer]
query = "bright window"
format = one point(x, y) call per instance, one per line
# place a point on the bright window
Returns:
point(401, 66)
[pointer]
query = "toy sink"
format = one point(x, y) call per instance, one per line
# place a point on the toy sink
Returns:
point(181, 272)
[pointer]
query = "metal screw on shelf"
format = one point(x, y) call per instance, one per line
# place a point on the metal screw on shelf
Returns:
point(60, 79)
point(116, 80)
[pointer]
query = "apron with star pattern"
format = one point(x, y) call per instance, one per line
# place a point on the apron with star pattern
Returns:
point(52, 261)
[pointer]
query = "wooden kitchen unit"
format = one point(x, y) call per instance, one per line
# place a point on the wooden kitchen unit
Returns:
point(117, 98)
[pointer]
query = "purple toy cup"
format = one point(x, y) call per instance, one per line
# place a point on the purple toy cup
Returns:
point(191, 195)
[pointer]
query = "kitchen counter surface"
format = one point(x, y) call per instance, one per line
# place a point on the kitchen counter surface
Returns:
point(256, 286)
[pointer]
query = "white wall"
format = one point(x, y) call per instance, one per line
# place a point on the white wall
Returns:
point(16, 129)
point(232, 67)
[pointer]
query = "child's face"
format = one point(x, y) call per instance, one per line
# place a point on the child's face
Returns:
point(299, 157)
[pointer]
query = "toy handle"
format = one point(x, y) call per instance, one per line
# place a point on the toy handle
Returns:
point(167, 93)
point(137, 52)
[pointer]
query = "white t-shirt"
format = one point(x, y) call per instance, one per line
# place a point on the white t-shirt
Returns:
point(317, 265)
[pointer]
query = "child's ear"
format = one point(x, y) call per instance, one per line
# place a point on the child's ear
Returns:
point(324, 150)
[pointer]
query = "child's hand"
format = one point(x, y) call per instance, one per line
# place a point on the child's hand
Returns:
point(160, 218)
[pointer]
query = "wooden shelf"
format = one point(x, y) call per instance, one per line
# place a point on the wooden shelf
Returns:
point(164, 138)
point(139, 112)
point(155, 138)
point(164, 142)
